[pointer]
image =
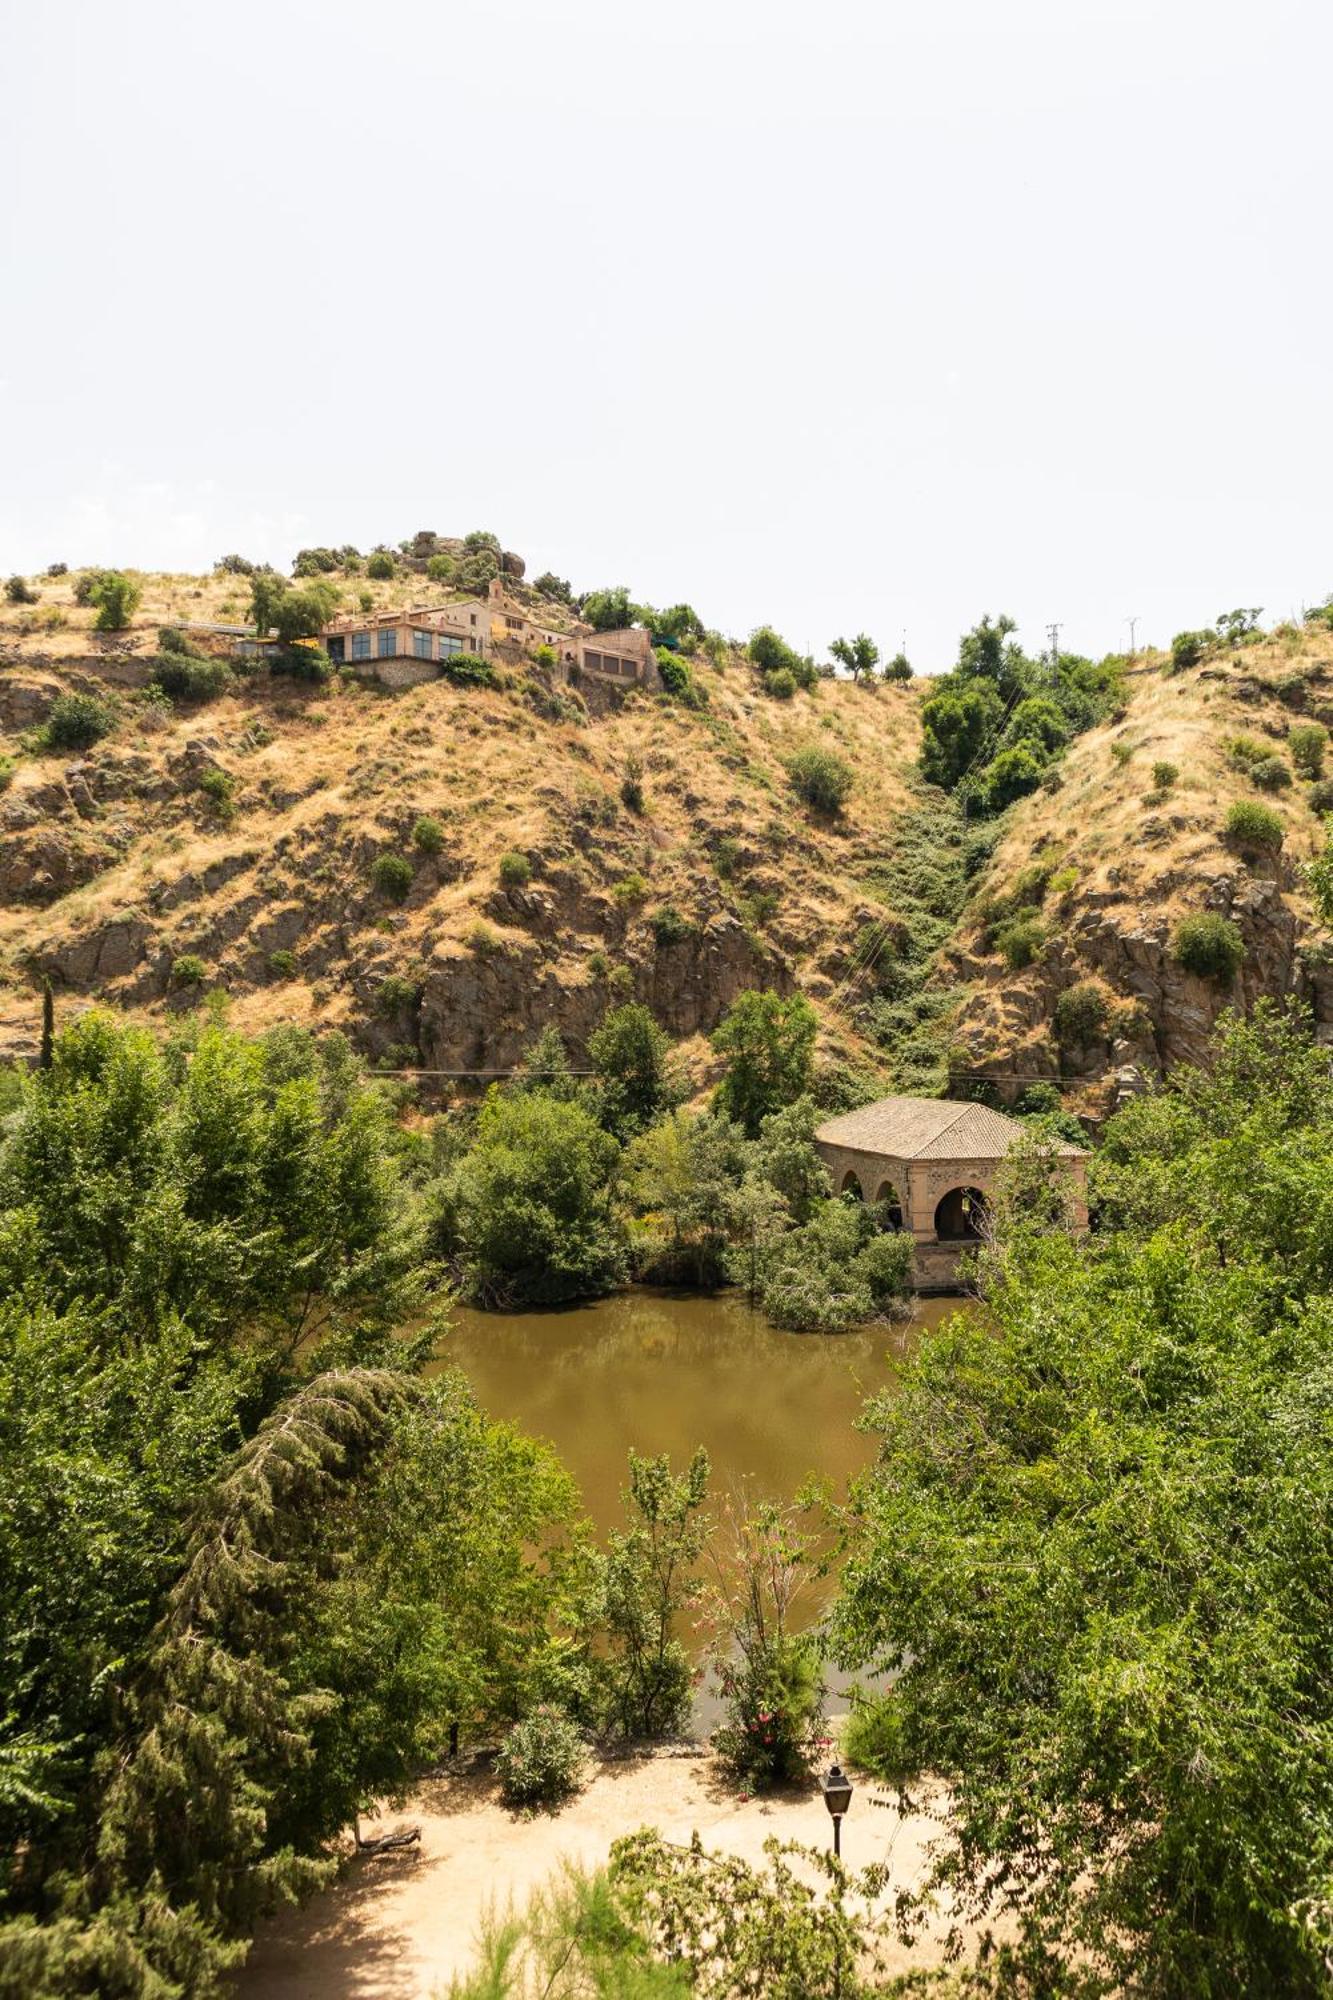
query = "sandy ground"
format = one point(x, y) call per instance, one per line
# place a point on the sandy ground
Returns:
point(400, 1926)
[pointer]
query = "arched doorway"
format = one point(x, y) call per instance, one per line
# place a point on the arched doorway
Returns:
point(851, 1187)
point(961, 1215)
point(889, 1203)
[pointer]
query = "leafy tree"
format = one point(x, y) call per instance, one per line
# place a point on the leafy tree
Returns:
point(480, 541)
point(772, 655)
point(987, 654)
point(531, 1201)
point(1234, 626)
point(609, 610)
point(1307, 742)
point(1189, 648)
point(768, 1044)
point(117, 599)
point(955, 728)
point(899, 668)
point(649, 1578)
point(548, 584)
point(859, 655)
point(1137, 1771)
point(820, 777)
point(19, 591)
point(629, 1053)
point(680, 1176)
point(1011, 775)
point(380, 566)
point(768, 1673)
point(680, 623)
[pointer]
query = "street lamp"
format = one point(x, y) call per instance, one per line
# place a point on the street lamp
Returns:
point(837, 1797)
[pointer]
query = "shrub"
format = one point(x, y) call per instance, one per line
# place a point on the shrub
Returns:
point(781, 684)
point(631, 785)
point(543, 656)
point(820, 778)
point(515, 870)
point(678, 680)
point(380, 566)
point(439, 568)
point(774, 1702)
point(117, 599)
point(726, 855)
point(1081, 1014)
point(1020, 941)
point(428, 835)
point(57, 569)
point(874, 1738)
point(1270, 774)
point(1320, 796)
point(187, 677)
point(599, 965)
point(218, 786)
point(1164, 775)
point(1010, 776)
point(1188, 648)
point(302, 663)
point(282, 962)
point(541, 1760)
point(234, 566)
point(1063, 881)
point(392, 876)
point(1307, 742)
point(1209, 946)
point(1246, 750)
point(76, 721)
point(19, 591)
point(630, 888)
point(189, 970)
point(1251, 825)
point(395, 993)
point(7, 769)
point(1122, 752)
point(668, 926)
point(481, 938)
point(899, 668)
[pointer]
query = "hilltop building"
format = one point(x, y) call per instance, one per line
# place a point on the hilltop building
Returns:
point(401, 647)
point(934, 1163)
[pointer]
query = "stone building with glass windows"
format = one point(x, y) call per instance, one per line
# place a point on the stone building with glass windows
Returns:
point(932, 1163)
point(401, 647)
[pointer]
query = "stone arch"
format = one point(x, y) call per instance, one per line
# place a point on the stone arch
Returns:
point(891, 1203)
point(851, 1185)
point(960, 1215)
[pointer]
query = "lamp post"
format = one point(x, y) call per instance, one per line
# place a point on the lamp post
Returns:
point(837, 1797)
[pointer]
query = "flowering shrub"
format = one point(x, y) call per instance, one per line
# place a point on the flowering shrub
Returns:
point(774, 1702)
point(541, 1760)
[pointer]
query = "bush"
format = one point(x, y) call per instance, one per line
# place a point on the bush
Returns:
point(117, 599)
point(873, 1736)
point(899, 668)
point(392, 876)
point(380, 566)
point(1307, 742)
point(396, 993)
point(1020, 941)
point(282, 962)
point(1246, 750)
point(668, 926)
point(774, 1701)
point(76, 722)
point(482, 938)
point(18, 591)
point(515, 870)
point(57, 569)
point(1188, 648)
point(428, 835)
point(187, 677)
point(302, 663)
point(820, 778)
point(234, 566)
point(781, 684)
point(7, 769)
point(541, 1760)
point(1270, 774)
point(631, 785)
point(1251, 825)
point(1010, 776)
point(1164, 775)
point(678, 680)
point(1081, 1014)
point(218, 786)
point(439, 568)
point(1320, 796)
point(189, 970)
point(1209, 946)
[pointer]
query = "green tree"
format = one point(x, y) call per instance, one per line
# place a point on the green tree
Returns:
point(899, 668)
point(629, 1054)
point(609, 610)
point(1137, 1771)
point(859, 655)
point(117, 599)
point(956, 727)
point(768, 1046)
point(531, 1201)
point(650, 1577)
point(680, 1177)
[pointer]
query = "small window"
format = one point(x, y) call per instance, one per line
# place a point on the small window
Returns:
point(360, 645)
point(474, 617)
point(421, 645)
point(388, 643)
point(514, 624)
point(450, 647)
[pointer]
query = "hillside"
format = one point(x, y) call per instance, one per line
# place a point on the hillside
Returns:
point(231, 845)
point(124, 860)
point(1110, 862)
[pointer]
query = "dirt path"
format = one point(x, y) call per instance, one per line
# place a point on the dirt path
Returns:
point(398, 1928)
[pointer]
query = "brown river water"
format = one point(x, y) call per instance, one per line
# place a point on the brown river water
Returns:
point(666, 1371)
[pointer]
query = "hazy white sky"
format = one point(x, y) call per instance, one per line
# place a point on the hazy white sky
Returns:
point(841, 316)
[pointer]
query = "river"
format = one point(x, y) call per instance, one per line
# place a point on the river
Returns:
point(666, 1371)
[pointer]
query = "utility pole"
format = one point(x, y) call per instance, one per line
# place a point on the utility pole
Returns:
point(1053, 634)
point(1133, 627)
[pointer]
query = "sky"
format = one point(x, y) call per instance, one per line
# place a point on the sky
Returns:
point(838, 317)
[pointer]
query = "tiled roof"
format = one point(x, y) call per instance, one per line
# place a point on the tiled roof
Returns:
point(927, 1128)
